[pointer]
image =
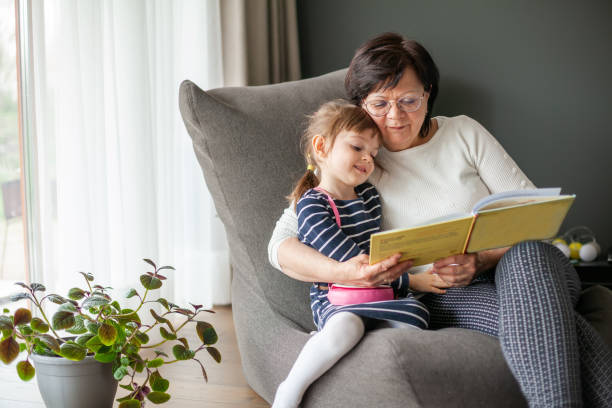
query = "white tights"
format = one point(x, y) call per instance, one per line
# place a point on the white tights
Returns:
point(341, 333)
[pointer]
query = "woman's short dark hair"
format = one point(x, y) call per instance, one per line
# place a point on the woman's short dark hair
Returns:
point(379, 64)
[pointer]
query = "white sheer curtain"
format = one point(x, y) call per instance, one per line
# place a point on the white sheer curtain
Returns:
point(116, 176)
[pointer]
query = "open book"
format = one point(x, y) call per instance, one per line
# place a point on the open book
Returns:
point(496, 221)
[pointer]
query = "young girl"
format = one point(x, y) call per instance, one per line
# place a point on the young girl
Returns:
point(340, 145)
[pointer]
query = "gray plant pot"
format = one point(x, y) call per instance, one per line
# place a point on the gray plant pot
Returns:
point(75, 384)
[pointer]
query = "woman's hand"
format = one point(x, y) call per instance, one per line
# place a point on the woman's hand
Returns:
point(460, 270)
point(357, 271)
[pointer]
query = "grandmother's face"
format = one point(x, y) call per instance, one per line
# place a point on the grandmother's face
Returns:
point(399, 128)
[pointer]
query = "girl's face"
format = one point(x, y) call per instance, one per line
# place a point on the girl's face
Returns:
point(349, 162)
point(400, 129)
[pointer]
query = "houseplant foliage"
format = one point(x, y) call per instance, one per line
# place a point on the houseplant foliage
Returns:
point(101, 327)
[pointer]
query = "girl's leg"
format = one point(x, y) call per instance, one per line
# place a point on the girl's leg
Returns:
point(340, 334)
point(549, 347)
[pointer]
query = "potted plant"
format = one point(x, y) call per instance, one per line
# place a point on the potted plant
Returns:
point(107, 340)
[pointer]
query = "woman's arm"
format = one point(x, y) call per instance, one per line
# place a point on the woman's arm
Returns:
point(304, 263)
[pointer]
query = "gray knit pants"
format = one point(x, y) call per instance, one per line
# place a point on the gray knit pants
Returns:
point(556, 356)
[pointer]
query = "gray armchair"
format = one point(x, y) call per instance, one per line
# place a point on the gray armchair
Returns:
point(246, 140)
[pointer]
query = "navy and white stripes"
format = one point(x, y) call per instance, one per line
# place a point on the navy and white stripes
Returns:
point(360, 218)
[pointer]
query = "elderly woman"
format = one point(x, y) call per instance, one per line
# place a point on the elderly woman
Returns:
point(435, 166)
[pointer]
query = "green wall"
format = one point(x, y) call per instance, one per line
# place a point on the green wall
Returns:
point(536, 74)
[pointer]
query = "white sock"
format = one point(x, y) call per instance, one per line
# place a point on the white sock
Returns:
point(340, 334)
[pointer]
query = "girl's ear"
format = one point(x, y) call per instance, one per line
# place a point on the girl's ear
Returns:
point(318, 145)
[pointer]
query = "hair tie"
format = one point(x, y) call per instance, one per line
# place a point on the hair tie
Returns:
point(310, 167)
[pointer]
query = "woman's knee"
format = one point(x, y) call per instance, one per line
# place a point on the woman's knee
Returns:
point(531, 260)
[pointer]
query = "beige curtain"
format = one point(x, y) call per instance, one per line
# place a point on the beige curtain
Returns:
point(259, 42)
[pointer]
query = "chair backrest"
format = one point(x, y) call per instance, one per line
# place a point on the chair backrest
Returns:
point(246, 140)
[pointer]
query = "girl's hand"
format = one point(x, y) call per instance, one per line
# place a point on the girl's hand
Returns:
point(428, 282)
point(357, 271)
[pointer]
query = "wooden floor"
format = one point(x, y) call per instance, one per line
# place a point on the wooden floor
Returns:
point(226, 385)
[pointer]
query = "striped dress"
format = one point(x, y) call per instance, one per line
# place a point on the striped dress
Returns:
point(360, 218)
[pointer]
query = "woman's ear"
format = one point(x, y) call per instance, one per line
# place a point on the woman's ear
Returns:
point(318, 145)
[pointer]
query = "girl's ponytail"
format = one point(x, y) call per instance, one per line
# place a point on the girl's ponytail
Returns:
point(306, 182)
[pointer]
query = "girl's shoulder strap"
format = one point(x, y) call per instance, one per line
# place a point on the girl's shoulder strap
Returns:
point(330, 200)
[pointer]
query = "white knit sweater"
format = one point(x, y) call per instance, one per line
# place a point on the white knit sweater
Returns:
point(460, 164)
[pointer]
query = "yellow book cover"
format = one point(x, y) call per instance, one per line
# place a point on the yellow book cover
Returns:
point(496, 221)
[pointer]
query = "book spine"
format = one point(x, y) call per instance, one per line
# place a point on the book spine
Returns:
point(469, 235)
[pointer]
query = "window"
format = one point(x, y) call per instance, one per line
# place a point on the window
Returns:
point(12, 253)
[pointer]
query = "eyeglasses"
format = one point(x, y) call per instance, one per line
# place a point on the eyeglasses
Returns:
point(407, 103)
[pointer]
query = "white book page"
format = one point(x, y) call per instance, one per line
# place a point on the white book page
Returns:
point(514, 197)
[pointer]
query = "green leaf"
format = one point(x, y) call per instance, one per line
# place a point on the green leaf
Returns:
point(57, 299)
point(158, 317)
point(67, 307)
point(79, 326)
point(132, 403)
point(166, 335)
point(50, 342)
point(38, 287)
point(127, 387)
point(95, 301)
point(22, 316)
point(6, 323)
point(120, 372)
point(150, 282)
point(20, 296)
point(39, 325)
point(9, 350)
point(158, 383)
point(22, 347)
point(157, 397)
point(184, 341)
point(87, 276)
point(117, 306)
point(72, 351)
point(25, 370)
point(25, 330)
point(150, 262)
point(82, 340)
point(92, 327)
point(62, 320)
point(143, 338)
point(76, 293)
point(164, 303)
point(94, 344)
point(156, 362)
point(160, 353)
point(214, 353)
point(206, 333)
point(106, 357)
point(128, 316)
point(131, 293)
point(181, 353)
point(107, 334)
